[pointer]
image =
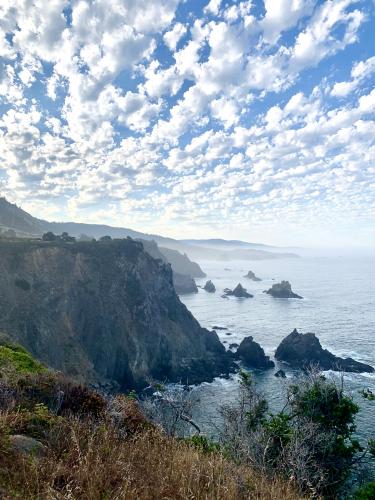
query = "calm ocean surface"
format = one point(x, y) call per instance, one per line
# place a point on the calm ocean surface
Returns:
point(338, 305)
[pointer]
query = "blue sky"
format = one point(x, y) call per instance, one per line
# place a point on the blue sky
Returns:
point(251, 120)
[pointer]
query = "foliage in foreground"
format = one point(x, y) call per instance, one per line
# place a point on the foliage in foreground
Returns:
point(96, 448)
point(311, 441)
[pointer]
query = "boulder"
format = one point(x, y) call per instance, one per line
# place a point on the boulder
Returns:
point(233, 346)
point(280, 374)
point(27, 445)
point(251, 276)
point(304, 350)
point(239, 292)
point(252, 354)
point(282, 290)
point(209, 287)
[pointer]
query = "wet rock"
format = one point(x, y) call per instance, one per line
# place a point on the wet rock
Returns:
point(239, 292)
point(252, 354)
point(280, 374)
point(219, 328)
point(282, 290)
point(303, 350)
point(252, 276)
point(233, 346)
point(209, 287)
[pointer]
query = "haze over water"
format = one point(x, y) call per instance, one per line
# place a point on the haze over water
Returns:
point(338, 305)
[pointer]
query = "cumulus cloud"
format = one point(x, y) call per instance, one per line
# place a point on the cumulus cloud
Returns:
point(129, 112)
point(360, 72)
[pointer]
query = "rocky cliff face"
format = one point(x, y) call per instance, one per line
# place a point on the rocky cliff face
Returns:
point(103, 311)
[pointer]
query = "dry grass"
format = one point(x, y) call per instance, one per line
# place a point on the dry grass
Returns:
point(89, 460)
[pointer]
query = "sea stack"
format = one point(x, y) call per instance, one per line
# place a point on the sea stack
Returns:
point(251, 276)
point(209, 287)
point(239, 292)
point(252, 354)
point(282, 290)
point(303, 350)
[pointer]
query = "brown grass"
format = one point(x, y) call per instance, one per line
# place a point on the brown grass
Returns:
point(89, 460)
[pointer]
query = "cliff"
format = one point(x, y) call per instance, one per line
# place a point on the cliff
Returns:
point(183, 268)
point(103, 311)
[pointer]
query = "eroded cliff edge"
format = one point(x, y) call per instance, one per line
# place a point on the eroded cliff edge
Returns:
point(103, 311)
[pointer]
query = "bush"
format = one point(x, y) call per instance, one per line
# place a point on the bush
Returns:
point(367, 492)
point(16, 357)
point(310, 441)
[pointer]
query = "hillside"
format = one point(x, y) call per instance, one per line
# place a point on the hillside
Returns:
point(13, 217)
point(91, 447)
point(103, 311)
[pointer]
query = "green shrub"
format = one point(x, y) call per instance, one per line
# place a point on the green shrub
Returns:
point(367, 492)
point(16, 357)
point(203, 444)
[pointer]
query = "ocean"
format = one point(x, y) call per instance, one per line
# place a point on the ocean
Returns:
point(338, 306)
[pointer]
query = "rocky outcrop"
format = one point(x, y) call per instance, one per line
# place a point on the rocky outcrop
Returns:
point(282, 290)
point(181, 263)
point(103, 311)
point(184, 284)
point(304, 351)
point(27, 445)
point(209, 287)
point(251, 276)
point(184, 270)
point(252, 354)
point(280, 374)
point(239, 292)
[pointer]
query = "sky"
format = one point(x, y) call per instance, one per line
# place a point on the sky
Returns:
point(252, 120)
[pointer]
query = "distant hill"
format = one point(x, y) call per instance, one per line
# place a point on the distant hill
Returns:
point(13, 217)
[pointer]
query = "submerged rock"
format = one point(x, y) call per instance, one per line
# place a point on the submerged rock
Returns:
point(303, 350)
point(239, 292)
point(282, 290)
point(280, 374)
point(209, 287)
point(215, 327)
point(252, 276)
point(252, 354)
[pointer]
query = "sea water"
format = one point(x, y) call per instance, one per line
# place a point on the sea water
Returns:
point(338, 306)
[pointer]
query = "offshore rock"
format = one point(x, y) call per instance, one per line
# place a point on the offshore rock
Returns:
point(282, 290)
point(209, 287)
point(252, 354)
point(303, 350)
point(103, 311)
point(239, 292)
point(280, 374)
point(251, 276)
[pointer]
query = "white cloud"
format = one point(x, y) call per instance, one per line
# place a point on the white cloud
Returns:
point(282, 15)
point(213, 7)
point(172, 37)
point(360, 71)
point(209, 125)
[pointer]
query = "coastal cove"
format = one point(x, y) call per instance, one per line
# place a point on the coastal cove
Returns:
point(338, 306)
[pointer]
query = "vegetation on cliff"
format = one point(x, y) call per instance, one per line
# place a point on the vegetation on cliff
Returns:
point(89, 447)
point(104, 311)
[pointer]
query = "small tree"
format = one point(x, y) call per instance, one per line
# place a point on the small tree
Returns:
point(310, 441)
point(49, 236)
